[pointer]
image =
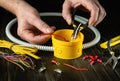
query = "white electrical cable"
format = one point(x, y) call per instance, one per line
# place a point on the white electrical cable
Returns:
point(50, 48)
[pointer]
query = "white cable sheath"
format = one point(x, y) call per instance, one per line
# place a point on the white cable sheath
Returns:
point(50, 48)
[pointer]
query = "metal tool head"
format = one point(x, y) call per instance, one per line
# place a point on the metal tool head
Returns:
point(113, 58)
point(78, 29)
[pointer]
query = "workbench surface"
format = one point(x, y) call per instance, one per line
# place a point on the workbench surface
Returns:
point(95, 72)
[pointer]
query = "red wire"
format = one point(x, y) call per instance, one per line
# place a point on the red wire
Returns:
point(60, 36)
point(57, 36)
point(68, 65)
point(74, 67)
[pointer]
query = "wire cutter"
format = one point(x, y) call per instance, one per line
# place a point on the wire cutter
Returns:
point(113, 58)
point(77, 29)
point(115, 41)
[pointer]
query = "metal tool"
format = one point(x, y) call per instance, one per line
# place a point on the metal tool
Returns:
point(77, 29)
point(113, 58)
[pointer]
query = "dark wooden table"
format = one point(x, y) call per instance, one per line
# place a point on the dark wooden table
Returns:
point(95, 72)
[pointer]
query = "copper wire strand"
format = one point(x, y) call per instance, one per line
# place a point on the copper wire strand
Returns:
point(24, 60)
point(60, 36)
point(32, 63)
point(14, 63)
point(27, 61)
point(24, 57)
point(68, 65)
point(21, 60)
point(26, 64)
point(10, 57)
point(57, 36)
point(74, 67)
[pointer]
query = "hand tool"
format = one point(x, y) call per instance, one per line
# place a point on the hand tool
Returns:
point(78, 29)
point(113, 58)
point(115, 41)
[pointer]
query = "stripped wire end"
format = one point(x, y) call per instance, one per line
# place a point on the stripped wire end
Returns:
point(74, 25)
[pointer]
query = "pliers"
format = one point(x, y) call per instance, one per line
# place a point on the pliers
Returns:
point(78, 28)
point(115, 41)
point(113, 58)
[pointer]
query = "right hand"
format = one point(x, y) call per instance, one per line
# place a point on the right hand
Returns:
point(97, 12)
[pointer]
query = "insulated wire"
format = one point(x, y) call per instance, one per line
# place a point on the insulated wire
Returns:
point(50, 48)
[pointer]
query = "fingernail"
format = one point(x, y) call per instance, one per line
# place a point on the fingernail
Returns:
point(49, 30)
point(90, 25)
point(69, 20)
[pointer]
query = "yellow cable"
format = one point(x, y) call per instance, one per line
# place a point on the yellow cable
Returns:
point(18, 49)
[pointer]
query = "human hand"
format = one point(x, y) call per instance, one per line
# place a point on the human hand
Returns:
point(30, 27)
point(97, 12)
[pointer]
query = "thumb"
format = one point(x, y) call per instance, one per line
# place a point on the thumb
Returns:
point(42, 26)
point(66, 12)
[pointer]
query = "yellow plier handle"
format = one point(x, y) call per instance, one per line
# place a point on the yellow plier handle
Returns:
point(115, 41)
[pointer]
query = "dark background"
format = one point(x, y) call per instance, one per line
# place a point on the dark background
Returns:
point(110, 23)
point(108, 28)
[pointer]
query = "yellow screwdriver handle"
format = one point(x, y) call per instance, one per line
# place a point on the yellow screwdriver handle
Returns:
point(115, 41)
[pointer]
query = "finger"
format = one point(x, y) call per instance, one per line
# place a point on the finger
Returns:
point(42, 26)
point(66, 12)
point(31, 37)
point(94, 13)
point(102, 14)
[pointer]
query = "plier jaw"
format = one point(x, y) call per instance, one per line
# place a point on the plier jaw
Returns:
point(113, 58)
point(78, 29)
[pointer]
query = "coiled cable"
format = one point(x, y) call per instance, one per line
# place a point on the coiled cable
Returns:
point(50, 48)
